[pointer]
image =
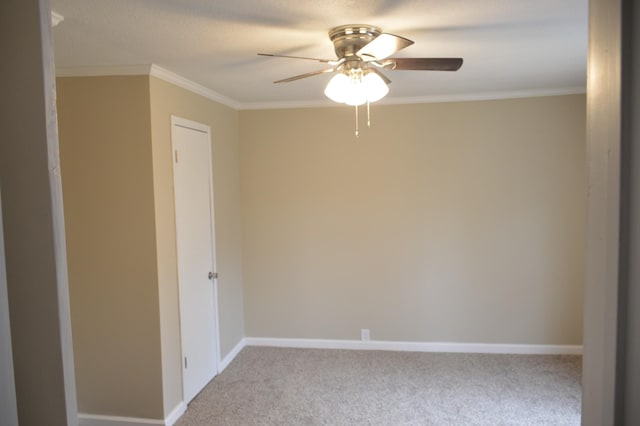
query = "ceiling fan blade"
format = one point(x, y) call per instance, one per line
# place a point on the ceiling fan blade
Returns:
point(423, 64)
point(382, 76)
point(383, 46)
point(324, 61)
point(309, 74)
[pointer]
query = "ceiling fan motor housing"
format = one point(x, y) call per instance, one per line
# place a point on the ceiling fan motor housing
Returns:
point(348, 39)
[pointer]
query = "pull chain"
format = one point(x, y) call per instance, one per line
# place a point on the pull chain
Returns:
point(368, 118)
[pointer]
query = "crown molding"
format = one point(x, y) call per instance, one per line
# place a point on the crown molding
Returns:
point(178, 80)
point(150, 70)
point(463, 97)
point(56, 18)
point(103, 71)
point(325, 103)
point(488, 96)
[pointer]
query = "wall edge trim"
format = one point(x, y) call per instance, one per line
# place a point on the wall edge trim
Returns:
point(452, 347)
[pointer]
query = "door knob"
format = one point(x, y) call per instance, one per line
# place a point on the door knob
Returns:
point(213, 275)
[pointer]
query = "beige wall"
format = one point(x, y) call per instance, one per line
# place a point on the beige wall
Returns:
point(443, 222)
point(107, 175)
point(118, 183)
point(117, 173)
point(460, 222)
point(166, 100)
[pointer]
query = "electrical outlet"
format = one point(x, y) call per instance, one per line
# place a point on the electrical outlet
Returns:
point(364, 334)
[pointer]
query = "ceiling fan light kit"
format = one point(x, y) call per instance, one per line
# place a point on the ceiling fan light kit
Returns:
point(356, 87)
point(362, 51)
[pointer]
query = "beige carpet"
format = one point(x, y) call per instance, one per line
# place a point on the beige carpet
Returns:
point(272, 386)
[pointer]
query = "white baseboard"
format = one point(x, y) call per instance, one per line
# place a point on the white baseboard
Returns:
point(175, 414)
point(99, 420)
point(172, 418)
point(232, 354)
point(488, 348)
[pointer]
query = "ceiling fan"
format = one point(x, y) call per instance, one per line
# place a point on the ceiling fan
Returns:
point(363, 51)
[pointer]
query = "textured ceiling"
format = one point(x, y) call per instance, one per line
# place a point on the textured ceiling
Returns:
point(509, 46)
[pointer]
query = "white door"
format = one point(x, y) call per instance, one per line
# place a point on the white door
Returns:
point(196, 254)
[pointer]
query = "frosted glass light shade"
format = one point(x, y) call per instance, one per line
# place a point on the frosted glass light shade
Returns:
point(374, 87)
point(355, 94)
point(337, 88)
point(356, 89)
